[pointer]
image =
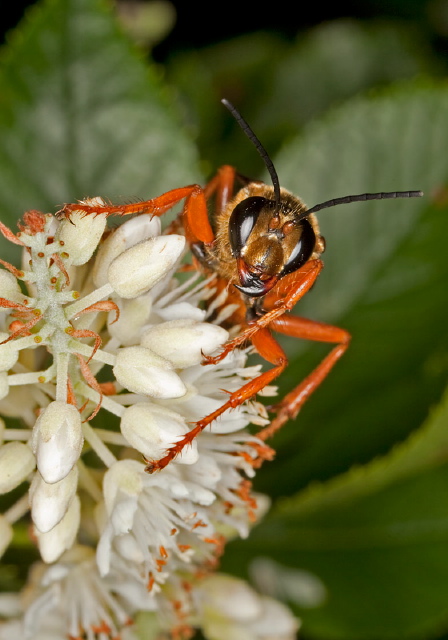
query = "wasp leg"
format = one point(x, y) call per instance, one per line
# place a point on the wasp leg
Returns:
point(297, 327)
point(196, 222)
point(195, 214)
point(269, 349)
point(297, 284)
point(222, 186)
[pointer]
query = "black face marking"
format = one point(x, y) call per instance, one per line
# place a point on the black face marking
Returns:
point(242, 221)
point(302, 251)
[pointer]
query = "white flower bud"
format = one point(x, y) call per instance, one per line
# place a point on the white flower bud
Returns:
point(122, 488)
point(53, 543)
point(139, 268)
point(8, 355)
point(152, 429)
point(57, 440)
point(141, 371)
point(232, 609)
point(4, 385)
point(82, 233)
point(183, 342)
point(134, 315)
point(201, 495)
point(206, 472)
point(123, 483)
point(19, 403)
point(232, 597)
point(276, 622)
point(125, 236)
point(50, 502)
point(5, 534)
point(181, 311)
point(128, 547)
point(9, 287)
point(230, 421)
point(16, 463)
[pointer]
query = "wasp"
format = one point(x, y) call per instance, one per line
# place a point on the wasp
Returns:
point(264, 246)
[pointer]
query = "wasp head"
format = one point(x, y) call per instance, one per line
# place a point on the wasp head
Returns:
point(268, 242)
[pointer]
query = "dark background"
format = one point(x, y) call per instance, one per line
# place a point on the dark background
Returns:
point(194, 28)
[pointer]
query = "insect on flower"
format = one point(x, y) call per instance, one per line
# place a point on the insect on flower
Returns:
point(264, 246)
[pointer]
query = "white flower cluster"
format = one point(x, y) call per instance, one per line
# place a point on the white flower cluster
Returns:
point(100, 360)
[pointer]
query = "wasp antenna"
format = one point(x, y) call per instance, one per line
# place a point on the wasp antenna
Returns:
point(261, 150)
point(360, 198)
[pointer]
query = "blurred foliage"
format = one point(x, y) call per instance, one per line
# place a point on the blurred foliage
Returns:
point(360, 483)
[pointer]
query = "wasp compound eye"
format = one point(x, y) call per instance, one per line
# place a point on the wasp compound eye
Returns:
point(243, 220)
point(302, 250)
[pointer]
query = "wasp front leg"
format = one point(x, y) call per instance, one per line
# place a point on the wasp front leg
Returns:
point(195, 213)
point(285, 295)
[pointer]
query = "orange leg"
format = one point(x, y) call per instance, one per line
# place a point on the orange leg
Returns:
point(296, 327)
point(298, 283)
point(195, 215)
point(195, 210)
point(269, 349)
point(222, 185)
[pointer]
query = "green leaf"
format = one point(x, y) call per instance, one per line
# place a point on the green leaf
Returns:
point(279, 85)
point(82, 115)
point(384, 280)
point(376, 537)
point(333, 62)
point(231, 70)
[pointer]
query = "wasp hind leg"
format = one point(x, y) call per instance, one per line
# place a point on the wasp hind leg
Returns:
point(296, 327)
point(270, 350)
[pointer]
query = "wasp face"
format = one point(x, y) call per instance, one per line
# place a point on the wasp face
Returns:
point(267, 243)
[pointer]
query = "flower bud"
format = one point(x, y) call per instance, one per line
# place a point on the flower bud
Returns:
point(134, 315)
point(232, 609)
point(50, 502)
point(9, 287)
point(125, 236)
point(5, 534)
point(183, 342)
point(141, 371)
point(4, 385)
point(16, 463)
point(82, 233)
point(152, 429)
point(57, 440)
point(129, 548)
point(139, 268)
point(181, 311)
point(122, 488)
point(8, 355)
point(230, 421)
point(53, 543)
point(123, 479)
point(232, 597)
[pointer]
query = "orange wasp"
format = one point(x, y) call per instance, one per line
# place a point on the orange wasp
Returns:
point(264, 246)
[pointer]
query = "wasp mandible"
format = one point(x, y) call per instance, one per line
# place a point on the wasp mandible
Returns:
point(264, 246)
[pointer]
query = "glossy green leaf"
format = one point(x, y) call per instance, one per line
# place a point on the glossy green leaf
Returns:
point(384, 280)
point(279, 86)
point(333, 62)
point(376, 537)
point(81, 114)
